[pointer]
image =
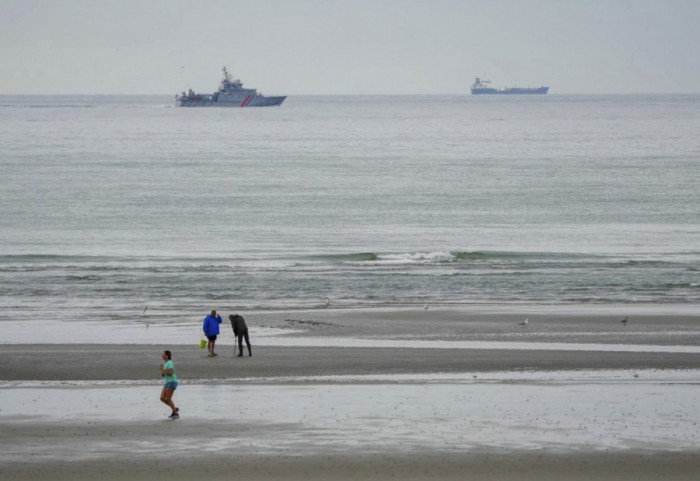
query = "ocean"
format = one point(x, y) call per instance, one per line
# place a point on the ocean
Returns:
point(111, 205)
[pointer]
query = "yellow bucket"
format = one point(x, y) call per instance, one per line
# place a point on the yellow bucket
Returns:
point(202, 343)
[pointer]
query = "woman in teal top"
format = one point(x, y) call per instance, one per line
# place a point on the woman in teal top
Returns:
point(168, 372)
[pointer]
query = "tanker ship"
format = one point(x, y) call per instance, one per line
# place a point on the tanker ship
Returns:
point(482, 87)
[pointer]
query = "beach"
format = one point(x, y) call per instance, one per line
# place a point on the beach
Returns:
point(437, 393)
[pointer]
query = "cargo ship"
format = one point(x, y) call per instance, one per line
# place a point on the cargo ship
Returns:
point(482, 87)
point(230, 94)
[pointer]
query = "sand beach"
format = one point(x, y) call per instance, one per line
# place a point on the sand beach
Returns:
point(363, 394)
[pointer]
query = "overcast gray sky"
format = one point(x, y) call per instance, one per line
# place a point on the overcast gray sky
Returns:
point(297, 47)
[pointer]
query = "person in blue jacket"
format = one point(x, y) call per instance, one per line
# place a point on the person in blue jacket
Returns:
point(211, 330)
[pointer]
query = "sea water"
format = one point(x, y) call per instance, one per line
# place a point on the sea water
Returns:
point(110, 204)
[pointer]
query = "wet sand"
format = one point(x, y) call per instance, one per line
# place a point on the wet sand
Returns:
point(73, 411)
point(478, 467)
point(136, 362)
point(338, 342)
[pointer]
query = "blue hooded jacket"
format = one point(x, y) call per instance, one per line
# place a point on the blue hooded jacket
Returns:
point(211, 325)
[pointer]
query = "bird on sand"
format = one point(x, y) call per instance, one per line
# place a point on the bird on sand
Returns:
point(524, 323)
point(624, 321)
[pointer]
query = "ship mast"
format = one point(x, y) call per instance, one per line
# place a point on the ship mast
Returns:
point(227, 76)
point(228, 82)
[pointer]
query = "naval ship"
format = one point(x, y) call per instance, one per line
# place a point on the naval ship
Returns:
point(230, 94)
point(481, 87)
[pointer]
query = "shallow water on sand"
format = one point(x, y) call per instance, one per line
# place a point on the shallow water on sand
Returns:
point(127, 420)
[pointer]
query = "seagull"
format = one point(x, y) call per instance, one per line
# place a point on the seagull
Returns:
point(524, 323)
point(624, 321)
point(425, 307)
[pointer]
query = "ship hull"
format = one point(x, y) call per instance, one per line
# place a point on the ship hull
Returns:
point(511, 91)
point(248, 101)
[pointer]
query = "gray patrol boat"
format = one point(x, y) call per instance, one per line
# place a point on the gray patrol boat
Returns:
point(230, 94)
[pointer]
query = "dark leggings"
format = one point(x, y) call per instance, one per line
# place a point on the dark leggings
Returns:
point(241, 335)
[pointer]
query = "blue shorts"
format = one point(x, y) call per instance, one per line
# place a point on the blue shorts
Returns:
point(170, 385)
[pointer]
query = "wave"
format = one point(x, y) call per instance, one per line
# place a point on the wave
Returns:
point(47, 106)
point(105, 259)
point(58, 106)
point(442, 257)
point(86, 278)
point(505, 255)
point(30, 258)
point(352, 257)
point(530, 259)
point(439, 257)
point(465, 258)
point(681, 285)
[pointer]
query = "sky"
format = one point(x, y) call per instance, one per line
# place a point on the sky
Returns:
point(349, 47)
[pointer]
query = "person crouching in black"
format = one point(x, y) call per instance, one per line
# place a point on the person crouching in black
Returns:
point(240, 330)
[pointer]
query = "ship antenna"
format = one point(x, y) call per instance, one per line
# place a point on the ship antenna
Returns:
point(227, 76)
